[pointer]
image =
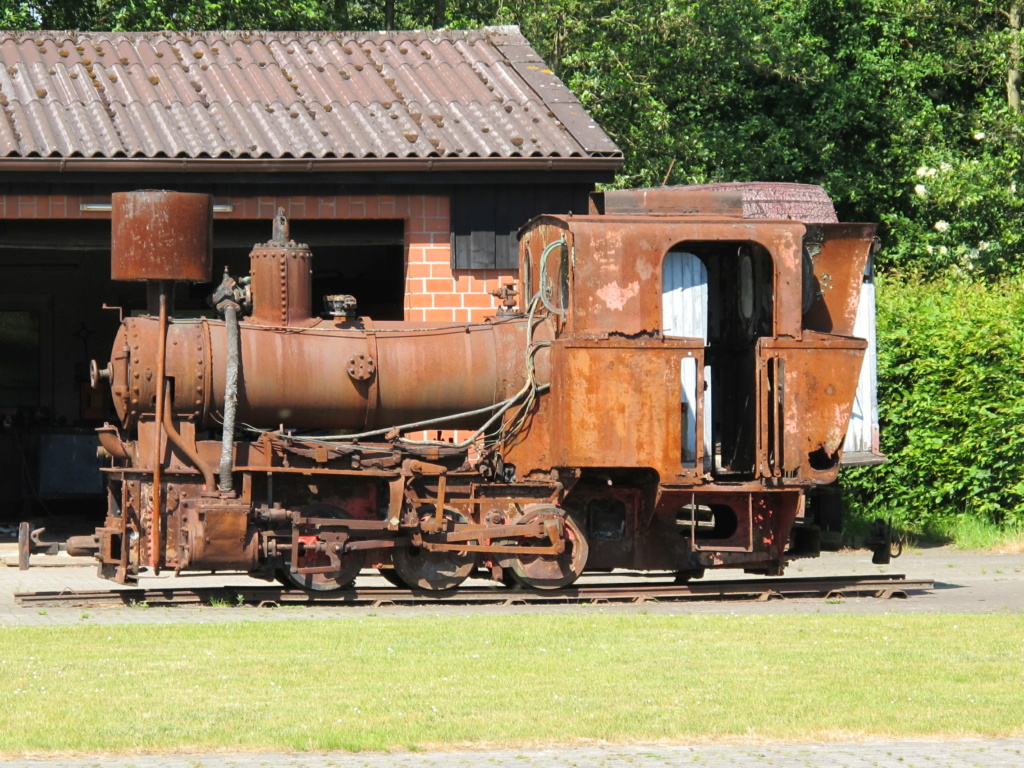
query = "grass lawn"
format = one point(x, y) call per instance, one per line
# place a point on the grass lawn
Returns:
point(417, 682)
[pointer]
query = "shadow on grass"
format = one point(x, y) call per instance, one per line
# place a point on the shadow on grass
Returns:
point(962, 531)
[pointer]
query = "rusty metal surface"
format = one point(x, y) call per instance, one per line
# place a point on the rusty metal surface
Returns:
point(436, 570)
point(779, 395)
point(807, 405)
point(611, 294)
point(808, 203)
point(161, 235)
point(596, 421)
point(281, 284)
point(669, 201)
point(302, 378)
point(216, 534)
point(835, 256)
point(680, 445)
point(24, 545)
point(317, 95)
point(838, 269)
point(546, 573)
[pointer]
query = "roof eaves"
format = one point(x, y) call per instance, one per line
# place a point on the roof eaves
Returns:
point(311, 165)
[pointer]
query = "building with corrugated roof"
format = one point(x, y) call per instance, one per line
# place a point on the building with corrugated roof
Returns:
point(406, 160)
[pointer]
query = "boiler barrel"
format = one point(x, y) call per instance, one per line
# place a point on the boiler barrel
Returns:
point(322, 377)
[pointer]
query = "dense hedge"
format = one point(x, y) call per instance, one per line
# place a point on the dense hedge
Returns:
point(951, 399)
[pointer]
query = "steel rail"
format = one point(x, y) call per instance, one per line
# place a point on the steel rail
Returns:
point(831, 587)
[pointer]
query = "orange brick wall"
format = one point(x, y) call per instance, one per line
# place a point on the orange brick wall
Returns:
point(433, 290)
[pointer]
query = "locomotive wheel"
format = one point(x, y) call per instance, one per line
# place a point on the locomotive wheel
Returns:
point(422, 569)
point(386, 569)
point(549, 571)
point(351, 562)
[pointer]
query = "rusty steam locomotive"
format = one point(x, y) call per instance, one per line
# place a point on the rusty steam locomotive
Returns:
point(658, 392)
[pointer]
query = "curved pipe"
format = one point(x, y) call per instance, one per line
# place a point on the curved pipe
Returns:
point(111, 442)
point(179, 443)
point(543, 274)
point(227, 444)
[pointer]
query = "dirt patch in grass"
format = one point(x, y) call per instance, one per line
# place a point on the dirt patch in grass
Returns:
point(1012, 546)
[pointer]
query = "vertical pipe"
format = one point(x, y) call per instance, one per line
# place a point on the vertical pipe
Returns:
point(227, 445)
point(155, 544)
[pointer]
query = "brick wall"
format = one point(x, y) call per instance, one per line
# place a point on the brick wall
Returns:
point(433, 291)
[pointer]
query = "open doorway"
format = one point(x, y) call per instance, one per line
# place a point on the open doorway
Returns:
point(723, 294)
point(363, 258)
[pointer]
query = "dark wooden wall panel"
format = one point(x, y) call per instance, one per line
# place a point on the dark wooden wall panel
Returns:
point(485, 219)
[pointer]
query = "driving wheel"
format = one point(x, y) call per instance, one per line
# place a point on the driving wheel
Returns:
point(426, 569)
point(548, 571)
point(347, 564)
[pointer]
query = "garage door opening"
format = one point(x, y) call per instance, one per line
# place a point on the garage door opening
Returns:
point(363, 258)
point(56, 277)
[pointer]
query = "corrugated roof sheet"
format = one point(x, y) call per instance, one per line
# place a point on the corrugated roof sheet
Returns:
point(365, 95)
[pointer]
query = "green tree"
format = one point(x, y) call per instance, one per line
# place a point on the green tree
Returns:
point(143, 15)
point(858, 95)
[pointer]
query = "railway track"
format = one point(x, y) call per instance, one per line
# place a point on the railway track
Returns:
point(890, 586)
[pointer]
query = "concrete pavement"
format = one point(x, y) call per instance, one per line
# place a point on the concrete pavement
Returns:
point(987, 753)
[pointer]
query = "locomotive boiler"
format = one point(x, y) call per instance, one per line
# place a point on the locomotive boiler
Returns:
point(658, 391)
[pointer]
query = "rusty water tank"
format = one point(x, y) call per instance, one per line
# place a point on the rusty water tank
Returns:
point(161, 235)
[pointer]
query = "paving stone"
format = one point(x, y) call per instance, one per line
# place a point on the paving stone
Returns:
point(987, 753)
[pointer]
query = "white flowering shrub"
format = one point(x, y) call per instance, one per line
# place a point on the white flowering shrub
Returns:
point(963, 211)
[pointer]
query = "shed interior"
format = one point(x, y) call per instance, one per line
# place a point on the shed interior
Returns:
point(54, 283)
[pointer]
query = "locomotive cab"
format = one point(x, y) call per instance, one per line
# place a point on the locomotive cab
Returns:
point(695, 349)
point(704, 319)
